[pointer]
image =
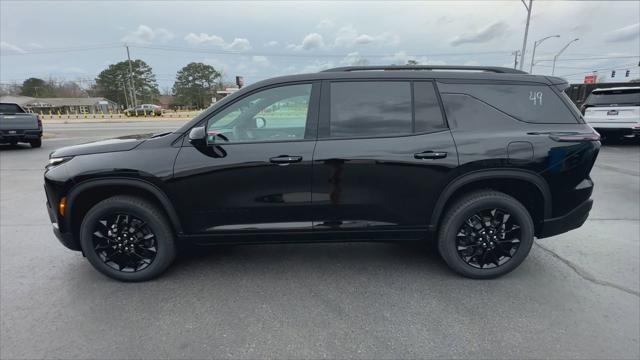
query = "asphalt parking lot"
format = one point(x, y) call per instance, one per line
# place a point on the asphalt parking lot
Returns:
point(576, 296)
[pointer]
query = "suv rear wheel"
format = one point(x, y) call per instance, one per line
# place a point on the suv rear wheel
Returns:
point(127, 238)
point(485, 234)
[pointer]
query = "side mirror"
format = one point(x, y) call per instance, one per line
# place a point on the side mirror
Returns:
point(260, 122)
point(198, 137)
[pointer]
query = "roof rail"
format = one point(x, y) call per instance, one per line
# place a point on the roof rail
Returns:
point(494, 69)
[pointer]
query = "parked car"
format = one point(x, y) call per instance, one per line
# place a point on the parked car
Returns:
point(144, 109)
point(17, 125)
point(481, 160)
point(614, 112)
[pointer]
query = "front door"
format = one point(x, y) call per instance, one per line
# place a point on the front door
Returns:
point(383, 153)
point(256, 175)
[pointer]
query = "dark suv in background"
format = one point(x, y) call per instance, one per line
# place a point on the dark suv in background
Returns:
point(480, 159)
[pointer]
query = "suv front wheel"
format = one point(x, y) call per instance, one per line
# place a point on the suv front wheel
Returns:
point(127, 238)
point(485, 234)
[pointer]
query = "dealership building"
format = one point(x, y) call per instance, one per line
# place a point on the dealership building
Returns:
point(82, 105)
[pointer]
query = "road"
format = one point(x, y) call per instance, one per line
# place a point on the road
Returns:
point(576, 296)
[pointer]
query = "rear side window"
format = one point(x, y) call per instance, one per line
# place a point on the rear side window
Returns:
point(529, 103)
point(370, 109)
point(427, 108)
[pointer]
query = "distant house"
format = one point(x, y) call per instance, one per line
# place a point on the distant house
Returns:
point(88, 105)
point(165, 101)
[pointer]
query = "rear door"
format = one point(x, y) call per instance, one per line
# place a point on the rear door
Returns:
point(383, 153)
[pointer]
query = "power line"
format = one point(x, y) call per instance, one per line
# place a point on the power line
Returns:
point(600, 69)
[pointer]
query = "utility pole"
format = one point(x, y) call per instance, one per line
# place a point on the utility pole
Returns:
point(526, 31)
point(124, 88)
point(553, 69)
point(515, 59)
point(133, 88)
point(535, 45)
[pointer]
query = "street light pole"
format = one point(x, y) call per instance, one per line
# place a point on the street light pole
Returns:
point(526, 31)
point(553, 69)
point(535, 45)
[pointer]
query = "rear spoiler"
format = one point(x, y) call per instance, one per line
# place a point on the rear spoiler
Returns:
point(560, 83)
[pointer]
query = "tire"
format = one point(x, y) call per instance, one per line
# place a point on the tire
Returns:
point(140, 215)
point(36, 143)
point(457, 241)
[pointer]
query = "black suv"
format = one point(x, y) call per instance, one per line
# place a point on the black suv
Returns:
point(481, 159)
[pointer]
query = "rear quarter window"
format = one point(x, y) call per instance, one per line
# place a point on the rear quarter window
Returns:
point(529, 103)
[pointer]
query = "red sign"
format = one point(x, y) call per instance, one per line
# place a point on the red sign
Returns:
point(589, 79)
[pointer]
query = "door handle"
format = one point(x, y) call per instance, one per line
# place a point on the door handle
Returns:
point(285, 159)
point(430, 155)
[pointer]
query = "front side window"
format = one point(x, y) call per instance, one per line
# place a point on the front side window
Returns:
point(276, 114)
point(370, 109)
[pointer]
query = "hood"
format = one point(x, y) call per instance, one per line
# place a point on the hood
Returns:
point(123, 143)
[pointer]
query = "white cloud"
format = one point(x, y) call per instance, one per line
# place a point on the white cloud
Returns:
point(483, 35)
point(627, 33)
point(348, 36)
point(318, 65)
point(310, 42)
point(325, 24)
point(354, 59)
point(271, 43)
point(202, 38)
point(146, 35)
point(9, 48)
point(260, 60)
point(238, 44)
point(34, 45)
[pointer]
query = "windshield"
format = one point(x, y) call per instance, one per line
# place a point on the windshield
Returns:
point(617, 97)
point(10, 109)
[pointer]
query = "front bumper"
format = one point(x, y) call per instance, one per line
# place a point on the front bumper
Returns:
point(572, 220)
point(65, 237)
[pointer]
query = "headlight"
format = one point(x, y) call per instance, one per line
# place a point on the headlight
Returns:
point(55, 161)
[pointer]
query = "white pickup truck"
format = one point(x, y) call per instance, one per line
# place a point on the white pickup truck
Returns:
point(17, 125)
point(614, 112)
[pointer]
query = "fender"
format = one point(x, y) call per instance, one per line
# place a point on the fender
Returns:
point(138, 183)
point(491, 174)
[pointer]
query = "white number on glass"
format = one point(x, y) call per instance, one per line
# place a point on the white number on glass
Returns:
point(536, 97)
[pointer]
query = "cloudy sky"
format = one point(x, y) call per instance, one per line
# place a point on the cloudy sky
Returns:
point(76, 40)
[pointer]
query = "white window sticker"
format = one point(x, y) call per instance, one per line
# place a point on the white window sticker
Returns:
point(536, 97)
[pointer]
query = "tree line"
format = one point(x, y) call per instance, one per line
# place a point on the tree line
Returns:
point(195, 85)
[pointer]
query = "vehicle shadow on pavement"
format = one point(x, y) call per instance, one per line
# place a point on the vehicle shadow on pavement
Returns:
point(17, 147)
point(301, 258)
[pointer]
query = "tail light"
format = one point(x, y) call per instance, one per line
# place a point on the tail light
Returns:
point(39, 121)
point(575, 136)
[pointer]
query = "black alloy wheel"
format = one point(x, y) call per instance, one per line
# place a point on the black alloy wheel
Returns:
point(127, 238)
point(485, 234)
point(124, 242)
point(488, 239)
